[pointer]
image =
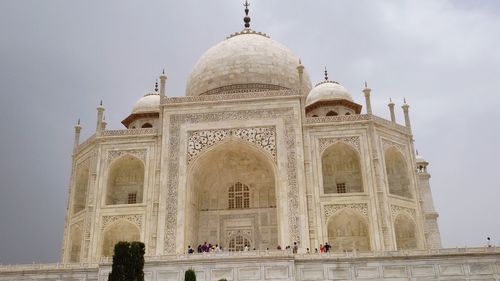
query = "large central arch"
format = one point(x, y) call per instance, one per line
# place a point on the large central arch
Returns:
point(231, 192)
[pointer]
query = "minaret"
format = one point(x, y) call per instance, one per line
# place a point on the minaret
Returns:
point(391, 109)
point(163, 79)
point(405, 108)
point(100, 114)
point(431, 229)
point(103, 124)
point(300, 70)
point(78, 129)
point(367, 92)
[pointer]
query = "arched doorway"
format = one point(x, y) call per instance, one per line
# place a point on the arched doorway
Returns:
point(397, 173)
point(231, 189)
point(341, 169)
point(348, 231)
point(125, 181)
point(121, 230)
point(405, 231)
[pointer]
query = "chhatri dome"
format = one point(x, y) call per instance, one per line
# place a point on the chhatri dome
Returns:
point(246, 61)
point(328, 90)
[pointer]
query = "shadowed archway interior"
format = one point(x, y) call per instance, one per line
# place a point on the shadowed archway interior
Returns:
point(230, 196)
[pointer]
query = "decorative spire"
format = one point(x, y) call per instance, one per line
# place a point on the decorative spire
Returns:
point(417, 152)
point(78, 123)
point(100, 103)
point(246, 19)
point(163, 71)
point(366, 84)
point(404, 100)
point(156, 86)
point(326, 74)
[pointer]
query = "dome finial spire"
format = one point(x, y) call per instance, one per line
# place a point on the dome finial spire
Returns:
point(326, 74)
point(156, 86)
point(246, 19)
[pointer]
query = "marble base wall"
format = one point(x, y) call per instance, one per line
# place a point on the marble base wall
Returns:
point(447, 265)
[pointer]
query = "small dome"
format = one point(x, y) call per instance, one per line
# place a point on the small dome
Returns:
point(149, 103)
point(328, 90)
point(420, 158)
point(246, 61)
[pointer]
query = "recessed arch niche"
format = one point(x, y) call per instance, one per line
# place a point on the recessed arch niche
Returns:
point(121, 230)
point(348, 231)
point(231, 189)
point(341, 169)
point(405, 231)
point(397, 173)
point(125, 181)
point(75, 243)
point(81, 186)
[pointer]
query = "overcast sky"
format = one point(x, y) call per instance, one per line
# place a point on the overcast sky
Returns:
point(59, 58)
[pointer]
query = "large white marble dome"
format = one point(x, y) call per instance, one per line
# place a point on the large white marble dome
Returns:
point(246, 61)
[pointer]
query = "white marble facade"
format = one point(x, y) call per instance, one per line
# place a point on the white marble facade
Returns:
point(253, 156)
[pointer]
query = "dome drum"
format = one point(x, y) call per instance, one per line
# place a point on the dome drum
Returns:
point(331, 103)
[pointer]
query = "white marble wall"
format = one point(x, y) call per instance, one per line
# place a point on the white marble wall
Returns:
point(445, 264)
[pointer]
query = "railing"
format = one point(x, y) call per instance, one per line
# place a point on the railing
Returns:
point(354, 118)
point(130, 132)
point(112, 133)
point(283, 254)
point(47, 266)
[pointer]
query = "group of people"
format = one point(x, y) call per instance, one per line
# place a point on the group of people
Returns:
point(208, 248)
point(205, 248)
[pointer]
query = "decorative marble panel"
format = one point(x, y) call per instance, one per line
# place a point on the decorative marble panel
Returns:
point(388, 144)
point(396, 210)
point(324, 143)
point(330, 210)
point(263, 137)
point(134, 219)
point(139, 153)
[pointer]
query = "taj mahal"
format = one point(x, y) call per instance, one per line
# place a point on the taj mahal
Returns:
point(256, 156)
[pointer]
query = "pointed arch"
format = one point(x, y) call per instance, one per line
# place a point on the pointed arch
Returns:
point(75, 243)
point(121, 230)
point(80, 189)
point(398, 177)
point(347, 230)
point(405, 231)
point(125, 181)
point(341, 169)
point(217, 177)
point(332, 113)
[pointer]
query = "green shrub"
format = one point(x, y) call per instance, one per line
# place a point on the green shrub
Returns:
point(190, 275)
point(128, 262)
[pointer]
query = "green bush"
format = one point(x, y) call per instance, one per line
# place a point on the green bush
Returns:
point(190, 275)
point(128, 262)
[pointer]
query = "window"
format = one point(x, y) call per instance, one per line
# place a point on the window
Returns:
point(341, 188)
point(132, 198)
point(239, 196)
point(332, 113)
point(315, 115)
point(147, 125)
point(238, 243)
point(348, 113)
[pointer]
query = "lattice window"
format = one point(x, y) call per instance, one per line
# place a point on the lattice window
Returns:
point(132, 198)
point(341, 188)
point(238, 243)
point(239, 196)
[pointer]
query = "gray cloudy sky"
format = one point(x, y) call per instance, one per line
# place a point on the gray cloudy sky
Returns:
point(59, 58)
